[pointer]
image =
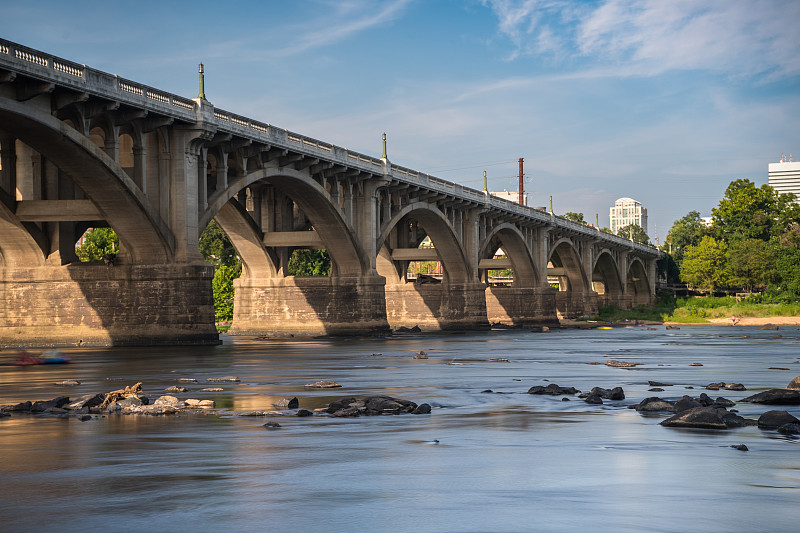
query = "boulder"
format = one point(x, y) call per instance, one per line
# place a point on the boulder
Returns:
point(775, 397)
point(609, 394)
point(287, 403)
point(373, 405)
point(654, 403)
point(231, 379)
point(212, 389)
point(593, 399)
point(740, 447)
point(422, 409)
point(68, 383)
point(272, 425)
point(552, 390)
point(723, 402)
point(18, 407)
point(305, 412)
point(187, 380)
point(685, 403)
point(775, 419)
point(175, 388)
point(170, 401)
point(769, 327)
point(154, 409)
point(789, 429)
point(659, 384)
point(43, 405)
point(716, 386)
point(194, 403)
point(735, 386)
point(324, 384)
point(88, 401)
point(794, 384)
point(705, 418)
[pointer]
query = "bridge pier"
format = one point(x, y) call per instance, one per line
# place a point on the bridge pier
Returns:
point(95, 304)
point(437, 306)
point(309, 306)
point(521, 306)
point(576, 304)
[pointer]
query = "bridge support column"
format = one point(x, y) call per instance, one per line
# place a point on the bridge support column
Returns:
point(437, 306)
point(523, 306)
point(573, 304)
point(310, 306)
point(95, 304)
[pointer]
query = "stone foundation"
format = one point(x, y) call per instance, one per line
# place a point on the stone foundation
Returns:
point(521, 306)
point(571, 304)
point(95, 304)
point(309, 306)
point(437, 306)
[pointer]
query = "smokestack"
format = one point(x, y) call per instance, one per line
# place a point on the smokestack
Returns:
point(521, 200)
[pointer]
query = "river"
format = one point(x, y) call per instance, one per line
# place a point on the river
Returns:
point(481, 461)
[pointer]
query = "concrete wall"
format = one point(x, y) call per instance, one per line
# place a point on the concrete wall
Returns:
point(94, 304)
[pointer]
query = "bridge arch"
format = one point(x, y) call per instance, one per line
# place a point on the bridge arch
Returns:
point(606, 280)
point(573, 290)
point(510, 239)
point(436, 226)
point(638, 285)
point(145, 236)
point(347, 256)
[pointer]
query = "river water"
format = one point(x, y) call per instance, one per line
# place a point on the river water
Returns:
point(481, 461)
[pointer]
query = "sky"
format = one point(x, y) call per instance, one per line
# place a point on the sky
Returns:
point(665, 102)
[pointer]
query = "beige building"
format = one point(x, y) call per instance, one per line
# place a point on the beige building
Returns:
point(627, 211)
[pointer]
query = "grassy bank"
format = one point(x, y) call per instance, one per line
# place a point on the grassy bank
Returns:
point(699, 310)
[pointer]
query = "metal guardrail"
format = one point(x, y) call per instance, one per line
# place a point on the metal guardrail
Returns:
point(80, 77)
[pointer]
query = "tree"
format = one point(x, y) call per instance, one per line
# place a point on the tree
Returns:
point(576, 217)
point(306, 262)
point(222, 286)
point(215, 246)
point(704, 264)
point(750, 212)
point(99, 244)
point(685, 232)
point(635, 233)
point(751, 263)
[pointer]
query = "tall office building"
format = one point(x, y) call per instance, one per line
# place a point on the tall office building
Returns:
point(628, 211)
point(784, 176)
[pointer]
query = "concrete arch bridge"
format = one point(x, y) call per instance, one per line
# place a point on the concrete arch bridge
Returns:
point(81, 148)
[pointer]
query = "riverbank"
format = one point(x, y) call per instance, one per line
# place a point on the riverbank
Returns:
point(743, 321)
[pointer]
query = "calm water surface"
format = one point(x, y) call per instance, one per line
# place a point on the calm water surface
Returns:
point(504, 461)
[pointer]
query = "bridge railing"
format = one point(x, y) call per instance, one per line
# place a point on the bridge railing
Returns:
point(49, 68)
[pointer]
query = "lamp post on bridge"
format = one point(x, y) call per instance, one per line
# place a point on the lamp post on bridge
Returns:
point(202, 93)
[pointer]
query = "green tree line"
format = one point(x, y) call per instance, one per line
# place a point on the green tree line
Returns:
point(752, 243)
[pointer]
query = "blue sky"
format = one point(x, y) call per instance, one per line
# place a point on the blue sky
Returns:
point(662, 101)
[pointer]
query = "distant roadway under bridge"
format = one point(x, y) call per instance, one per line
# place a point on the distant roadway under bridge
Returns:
point(80, 148)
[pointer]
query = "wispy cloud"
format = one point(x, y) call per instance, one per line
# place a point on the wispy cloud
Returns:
point(342, 21)
point(649, 37)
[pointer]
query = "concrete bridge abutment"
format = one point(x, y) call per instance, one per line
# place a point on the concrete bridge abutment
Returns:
point(310, 306)
point(515, 306)
point(99, 305)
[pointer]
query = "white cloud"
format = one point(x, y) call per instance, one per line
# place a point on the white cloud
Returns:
point(649, 37)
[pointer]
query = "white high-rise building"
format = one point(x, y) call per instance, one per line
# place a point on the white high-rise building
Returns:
point(784, 176)
point(628, 211)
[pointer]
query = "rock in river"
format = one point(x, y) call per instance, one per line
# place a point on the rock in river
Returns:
point(324, 384)
point(775, 419)
point(705, 418)
point(552, 390)
point(375, 405)
point(775, 397)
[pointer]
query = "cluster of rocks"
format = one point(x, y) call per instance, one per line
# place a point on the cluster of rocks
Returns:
point(726, 386)
point(594, 396)
point(375, 405)
point(130, 400)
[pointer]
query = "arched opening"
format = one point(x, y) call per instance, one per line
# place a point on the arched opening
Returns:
point(565, 274)
point(638, 285)
point(606, 281)
point(429, 283)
